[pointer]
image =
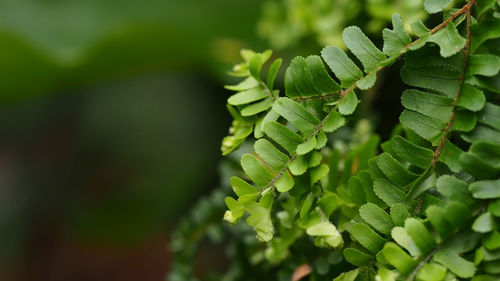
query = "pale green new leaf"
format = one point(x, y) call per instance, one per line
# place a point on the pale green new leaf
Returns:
point(401, 237)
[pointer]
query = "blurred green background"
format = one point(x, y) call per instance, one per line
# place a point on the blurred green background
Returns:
point(111, 113)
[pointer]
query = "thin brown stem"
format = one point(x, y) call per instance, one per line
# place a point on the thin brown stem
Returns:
point(465, 9)
point(449, 125)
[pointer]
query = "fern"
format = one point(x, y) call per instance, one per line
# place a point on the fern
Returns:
point(428, 206)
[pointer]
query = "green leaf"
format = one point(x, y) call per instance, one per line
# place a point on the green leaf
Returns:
point(260, 220)
point(464, 121)
point(399, 213)
point(302, 77)
point(450, 155)
point(449, 40)
point(255, 170)
point(484, 223)
point(487, 152)
point(347, 276)
point(483, 31)
point(471, 98)
point(454, 189)
point(494, 207)
point(437, 217)
point(388, 192)
point(368, 81)
point(485, 189)
point(256, 108)
point(376, 217)
point(321, 78)
point(270, 154)
point(235, 212)
point(401, 237)
point(431, 272)
point(367, 237)
point(343, 67)
point(294, 112)
point(492, 241)
point(431, 105)
point(481, 133)
point(356, 257)
point(314, 159)
point(475, 166)
point(483, 5)
point(435, 6)
point(333, 122)
point(290, 89)
point(416, 155)
point(247, 96)
point(246, 84)
point(428, 128)
point(241, 187)
point(256, 61)
point(306, 146)
point(329, 203)
point(419, 233)
point(458, 265)
point(326, 230)
point(490, 116)
point(394, 171)
point(398, 258)
point(395, 40)
point(318, 173)
point(457, 214)
point(441, 79)
point(298, 166)
point(348, 103)
point(285, 182)
point(483, 64)
point(283, 136)
point(273, 72)
point(362, 48)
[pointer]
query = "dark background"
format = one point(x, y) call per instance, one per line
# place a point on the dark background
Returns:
point(111, 117)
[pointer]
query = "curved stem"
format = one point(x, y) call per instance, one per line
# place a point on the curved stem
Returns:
point(447, 130)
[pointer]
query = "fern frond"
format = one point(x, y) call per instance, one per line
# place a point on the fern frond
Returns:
point(416, 210)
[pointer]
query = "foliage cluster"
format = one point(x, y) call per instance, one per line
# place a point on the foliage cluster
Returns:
point(321, 198)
